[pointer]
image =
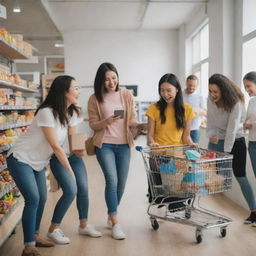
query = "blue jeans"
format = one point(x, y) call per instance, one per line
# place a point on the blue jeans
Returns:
point(195, 135)
point(32, 185)
point(70, 187)
point(252, 153)
point(114, 160)
point(239, 165)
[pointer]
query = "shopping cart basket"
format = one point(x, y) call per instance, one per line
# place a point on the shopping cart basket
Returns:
point(177, 176)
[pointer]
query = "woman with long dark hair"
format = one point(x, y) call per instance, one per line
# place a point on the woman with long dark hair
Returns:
point(169, 123)
point(249, 81)
point(169, 120)
point(112, 115)
point(31, 153)
point(225, 117)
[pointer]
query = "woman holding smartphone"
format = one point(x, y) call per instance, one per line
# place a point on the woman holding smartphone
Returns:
point(112, 115)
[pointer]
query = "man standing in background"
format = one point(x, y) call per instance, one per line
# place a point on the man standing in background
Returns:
point(193, 97)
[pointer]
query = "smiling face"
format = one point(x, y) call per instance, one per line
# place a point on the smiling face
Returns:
point(111, 81)
point(168, 92)
point(250, 87)
point(73, 93)
point(191, 85)
point(214, 92)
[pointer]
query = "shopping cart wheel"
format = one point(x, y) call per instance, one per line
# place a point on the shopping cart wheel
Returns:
point(154, 224)
point(188, 213)
point(199, 236)
point(223, 232)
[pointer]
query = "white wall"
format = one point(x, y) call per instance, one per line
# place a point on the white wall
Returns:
point(141, 58)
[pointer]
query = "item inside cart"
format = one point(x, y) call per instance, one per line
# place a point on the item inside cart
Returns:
point(186, 172)
point(179, 175)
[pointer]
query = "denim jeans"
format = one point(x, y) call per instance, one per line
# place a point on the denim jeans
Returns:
point(114, 160)
point(252, 153)
point(70, 187)
point(239, 161)
point(195, 135)
point(32, 185)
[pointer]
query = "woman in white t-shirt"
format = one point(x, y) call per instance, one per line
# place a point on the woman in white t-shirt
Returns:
point(250, 124)
point(31, 153)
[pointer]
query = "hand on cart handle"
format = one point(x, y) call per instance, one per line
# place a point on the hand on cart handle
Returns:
point(154, 145)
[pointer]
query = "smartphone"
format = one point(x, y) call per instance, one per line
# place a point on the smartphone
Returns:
point(119, 112)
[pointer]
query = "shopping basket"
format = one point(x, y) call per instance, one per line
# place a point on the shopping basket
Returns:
point(177, 176)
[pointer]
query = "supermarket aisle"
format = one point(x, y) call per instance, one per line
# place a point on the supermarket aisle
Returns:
point(170, 239)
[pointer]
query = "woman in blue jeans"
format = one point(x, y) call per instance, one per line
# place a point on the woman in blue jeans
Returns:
point(225, 117)
point(31, 153)
point(112, 136)
point(71, 187)
point(250, 124)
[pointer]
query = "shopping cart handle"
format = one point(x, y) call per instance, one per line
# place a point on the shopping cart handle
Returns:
point(139, 148)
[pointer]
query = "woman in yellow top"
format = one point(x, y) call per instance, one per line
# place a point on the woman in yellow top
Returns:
point(169, 119)
point(169, 122)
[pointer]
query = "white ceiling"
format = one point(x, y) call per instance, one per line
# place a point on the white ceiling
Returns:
point(71, 15)
point(43, 21)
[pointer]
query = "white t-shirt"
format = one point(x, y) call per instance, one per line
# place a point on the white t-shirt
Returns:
point(32, 147)
point(197, 102)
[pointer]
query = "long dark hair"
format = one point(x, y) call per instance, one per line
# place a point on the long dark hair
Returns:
point(251, 76)
point(230, 92)
point(178, 101)
point(99, 80)
point(56, 100)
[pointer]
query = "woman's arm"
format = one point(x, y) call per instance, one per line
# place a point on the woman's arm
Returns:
point(151, 132)
point(51, 137)
point(186, 139)
point(94, 117)
point(234, 122)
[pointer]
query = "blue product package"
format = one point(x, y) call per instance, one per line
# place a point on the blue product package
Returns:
point(192, 154)
point(198, 178)
point(203, 191)
point(168, 167)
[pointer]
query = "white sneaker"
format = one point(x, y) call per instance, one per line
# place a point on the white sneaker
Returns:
point(117, 232)
point(109, 223)
point(58, 237)
point(89, 230)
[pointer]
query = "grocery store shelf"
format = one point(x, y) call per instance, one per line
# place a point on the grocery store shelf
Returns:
point(17, 107)
point(2, 167)
point(6, 190)
point(10, 85)
point(10, 51)
point(10, 126)
point(10, 220)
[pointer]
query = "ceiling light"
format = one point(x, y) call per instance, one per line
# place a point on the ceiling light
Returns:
point(59, 45)
point(16, 7)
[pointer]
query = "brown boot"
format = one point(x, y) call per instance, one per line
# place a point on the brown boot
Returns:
point(30, 251)
point(41, 242)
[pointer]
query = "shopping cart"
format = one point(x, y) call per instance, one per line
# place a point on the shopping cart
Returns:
point(177, 176)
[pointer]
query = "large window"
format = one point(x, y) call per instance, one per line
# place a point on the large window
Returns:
point(249, 38)
point(200, 58)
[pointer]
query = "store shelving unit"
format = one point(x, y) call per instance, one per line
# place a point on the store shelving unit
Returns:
point(9, 51)
point(9, 221)
point(142, 107)
point(13, 86)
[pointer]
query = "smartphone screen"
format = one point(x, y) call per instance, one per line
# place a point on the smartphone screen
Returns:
point(119, 112)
